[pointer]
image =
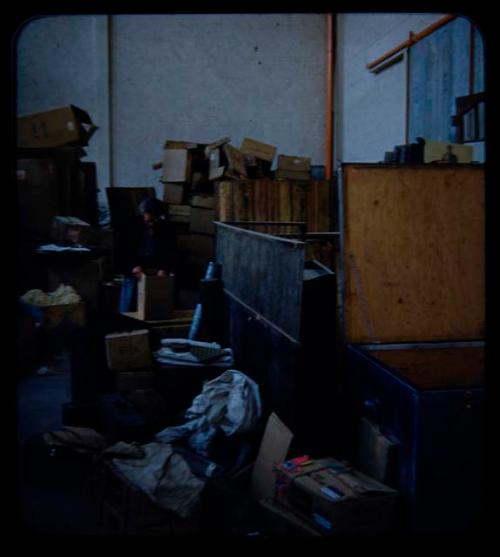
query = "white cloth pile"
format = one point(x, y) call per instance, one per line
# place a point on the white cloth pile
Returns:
point(171, 353)
point(229, 403)
point(55, 248)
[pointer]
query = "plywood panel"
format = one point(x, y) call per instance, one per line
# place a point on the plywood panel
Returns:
point(413, 253)
point(433, 368)
point(265, 272)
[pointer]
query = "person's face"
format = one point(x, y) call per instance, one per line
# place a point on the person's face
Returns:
point(148, 217)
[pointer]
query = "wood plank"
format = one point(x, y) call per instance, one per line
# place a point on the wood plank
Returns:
point(413, 253)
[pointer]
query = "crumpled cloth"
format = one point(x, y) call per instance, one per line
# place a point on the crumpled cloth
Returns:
point(230, 402)
point(121, 449)
point(164, 477)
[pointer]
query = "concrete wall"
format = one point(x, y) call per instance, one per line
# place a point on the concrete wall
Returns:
point(188, 77)
point(62, 60)
point(370, 108)
point(203, 77)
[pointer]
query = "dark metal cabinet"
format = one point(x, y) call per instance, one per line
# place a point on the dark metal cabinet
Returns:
point(437, 429)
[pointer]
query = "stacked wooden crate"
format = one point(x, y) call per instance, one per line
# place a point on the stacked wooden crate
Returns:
point(275, 200)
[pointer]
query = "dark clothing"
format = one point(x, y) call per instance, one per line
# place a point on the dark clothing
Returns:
point(152, 246)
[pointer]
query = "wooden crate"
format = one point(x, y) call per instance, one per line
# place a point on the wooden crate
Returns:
point(275, 200)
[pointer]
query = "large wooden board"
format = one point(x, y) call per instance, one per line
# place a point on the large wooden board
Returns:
point(413, 253)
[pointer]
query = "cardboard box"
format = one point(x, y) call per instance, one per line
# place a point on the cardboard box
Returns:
point(133, 380)
point(257, 149)
point(336, 498)
point(225, 160)
point(155, 297)
point(68, 315)
point(176, 165)
point(439, 151)
point(202, 220)
point(291, 175)
point(295, 164)
point(174, 144)
point(179, 213)
point(203, 200)
point(273, 449)
point(68, 125)
point(70, 230)
point(377, 453)
point(174, 193)
point(128, 350)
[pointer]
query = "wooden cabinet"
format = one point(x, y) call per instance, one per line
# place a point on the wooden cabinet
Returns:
point(412, 268)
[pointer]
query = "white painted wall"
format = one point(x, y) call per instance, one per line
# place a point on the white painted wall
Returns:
point(62, 60)
point(188, 77)
point(370, 108)
point(202, 77)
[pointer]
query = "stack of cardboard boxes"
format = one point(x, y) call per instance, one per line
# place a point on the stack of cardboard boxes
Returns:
point(128, 356)
point(189, 171)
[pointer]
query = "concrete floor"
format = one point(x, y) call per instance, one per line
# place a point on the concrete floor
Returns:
point(46, 503)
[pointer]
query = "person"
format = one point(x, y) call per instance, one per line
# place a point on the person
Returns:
point(152, 249)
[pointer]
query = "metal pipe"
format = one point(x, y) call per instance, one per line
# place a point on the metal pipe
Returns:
point(414, 38)
point(329, 97)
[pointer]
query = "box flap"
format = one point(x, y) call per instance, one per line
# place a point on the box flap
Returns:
point(173, 144)
point(273, 448)
point(175, 165)
point(258, 149)
point(413, 256)
point(235, 161)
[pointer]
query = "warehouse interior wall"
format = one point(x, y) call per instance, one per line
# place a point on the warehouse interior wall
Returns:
point(148, 78)
point(370, 107)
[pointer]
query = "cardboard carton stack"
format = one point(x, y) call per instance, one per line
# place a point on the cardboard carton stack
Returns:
point(128, 355)
point(189, 171)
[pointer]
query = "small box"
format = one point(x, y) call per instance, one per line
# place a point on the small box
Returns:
point(176, 165)
point(68, 125)
point(291, 175)
point(202, 220)
point(205, 201)
point(335, 497)
point(179, 213)
point(129, 350)
point(174, 193)
point(155, 297)
point(70, 230)
point(295, 164)
point(257, 149)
